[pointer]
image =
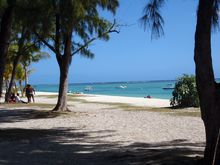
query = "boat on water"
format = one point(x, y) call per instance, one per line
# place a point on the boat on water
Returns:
point(169, 87)
point(121, 87)
point(88, 88)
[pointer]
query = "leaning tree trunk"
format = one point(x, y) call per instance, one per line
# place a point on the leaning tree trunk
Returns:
point(64, 63)
point(20, 87)
point(6, 85)
point(15, 64)
point(25, 76)
point(5, 32)
point(16, 61)
point(209, 92)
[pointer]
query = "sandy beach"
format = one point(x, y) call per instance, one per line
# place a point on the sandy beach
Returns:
point(99, 130)
point(135, 101)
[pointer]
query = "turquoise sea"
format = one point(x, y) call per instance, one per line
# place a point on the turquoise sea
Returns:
point(130, 89)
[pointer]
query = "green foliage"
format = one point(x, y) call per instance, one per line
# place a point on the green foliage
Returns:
point(152, 18)
point(7, 72)
point(20, 73)
point(185, 92)
point(81, 18)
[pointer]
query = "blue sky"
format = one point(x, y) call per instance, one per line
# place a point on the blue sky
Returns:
point(131, 55)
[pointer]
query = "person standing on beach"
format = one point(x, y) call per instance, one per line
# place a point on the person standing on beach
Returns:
point(30, 93)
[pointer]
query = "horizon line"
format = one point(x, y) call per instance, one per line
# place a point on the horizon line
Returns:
point(131, 81)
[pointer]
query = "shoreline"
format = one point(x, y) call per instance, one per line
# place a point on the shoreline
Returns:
point(90, 94)
point(135, 101)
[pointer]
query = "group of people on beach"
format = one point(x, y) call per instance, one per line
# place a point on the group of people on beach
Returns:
point(29, 92)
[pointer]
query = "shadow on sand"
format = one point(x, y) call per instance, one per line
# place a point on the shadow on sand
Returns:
point(17, 115)
point(64, 146)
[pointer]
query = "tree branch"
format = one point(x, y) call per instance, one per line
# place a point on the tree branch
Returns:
point(46, 43)
point(28, 47)
point(110, 30)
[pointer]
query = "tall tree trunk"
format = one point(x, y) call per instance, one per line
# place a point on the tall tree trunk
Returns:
point(64, 63)
point(25, 75)
point(20, 87)
point(6, 85)
point(15, 64)
point(5, 33)
point(208, 89)
point(63, 88)
point(16, 61)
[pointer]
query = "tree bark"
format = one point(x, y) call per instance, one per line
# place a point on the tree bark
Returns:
point(25, 75)
point(64, 63)
point(20, 87)
point(16, 62)
point(6, 85)
point(5, 34)
point(208, 89)
point(63, 87)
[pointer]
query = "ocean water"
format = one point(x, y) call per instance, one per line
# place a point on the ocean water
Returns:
point(130, 89)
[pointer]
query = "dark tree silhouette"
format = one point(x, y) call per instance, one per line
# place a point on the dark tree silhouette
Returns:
point(5, 33)
point(208, 89)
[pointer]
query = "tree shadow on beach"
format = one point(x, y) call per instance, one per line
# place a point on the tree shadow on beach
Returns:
point(18, 115)
point(78, 147)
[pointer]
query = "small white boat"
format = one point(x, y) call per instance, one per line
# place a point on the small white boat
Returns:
point(169, 87)
point(78, 93)
point(121, 87)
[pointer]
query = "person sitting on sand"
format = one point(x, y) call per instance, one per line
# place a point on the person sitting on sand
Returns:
point(18, 99)
point(148, 97)
point(12, 98)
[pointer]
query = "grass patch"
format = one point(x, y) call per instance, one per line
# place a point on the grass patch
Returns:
point(70, 96)
point(35, 111)
point(192, 112)
point(31, 105)
point(76, 99)
point(46, 114)
point(187, 112)
point(48, 96)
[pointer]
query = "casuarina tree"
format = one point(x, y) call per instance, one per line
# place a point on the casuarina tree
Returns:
point(5, 33)
point(77, 23)
point(22, 37)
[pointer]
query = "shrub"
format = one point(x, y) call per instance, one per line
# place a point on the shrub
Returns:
point(185, 93)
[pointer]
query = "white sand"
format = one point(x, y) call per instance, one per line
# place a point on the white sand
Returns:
point(103, 132)
point(136, 101)
point(45, 93)
point(131, 125)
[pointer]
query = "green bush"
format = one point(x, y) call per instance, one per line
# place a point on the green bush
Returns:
point(185, 93)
